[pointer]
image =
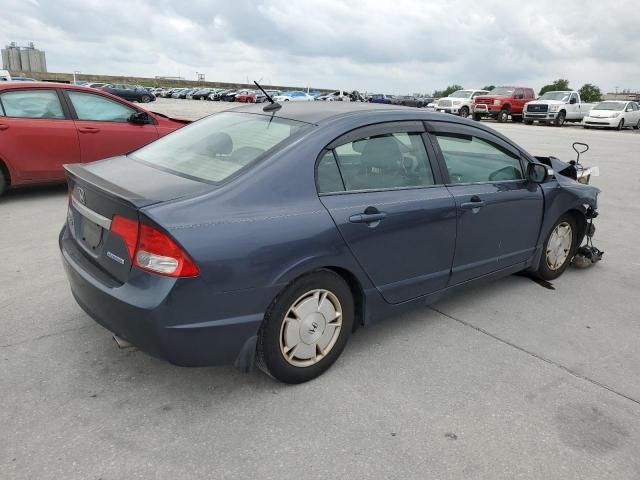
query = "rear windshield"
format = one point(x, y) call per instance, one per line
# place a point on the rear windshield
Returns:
point(218, 146)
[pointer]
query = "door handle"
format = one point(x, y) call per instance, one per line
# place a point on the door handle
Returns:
point(88, 129)
point(473, 203)
point(3, 126)
point(367, 217)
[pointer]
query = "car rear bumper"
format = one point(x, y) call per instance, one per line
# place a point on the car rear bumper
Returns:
point(177, 320)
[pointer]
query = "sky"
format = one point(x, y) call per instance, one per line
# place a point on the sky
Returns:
point(399, 46)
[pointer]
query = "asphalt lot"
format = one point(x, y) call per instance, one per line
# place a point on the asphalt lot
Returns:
point(504, 381)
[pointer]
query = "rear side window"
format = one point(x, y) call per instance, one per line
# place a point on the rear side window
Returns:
point(216, 147)
point(471, 159)
point(32, 104)
point(394, 160)
point(328, 176)
point(89, 106)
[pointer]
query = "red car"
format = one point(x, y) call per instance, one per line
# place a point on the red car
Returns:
point(45, 125)
point(246, 96)
point(502, 102)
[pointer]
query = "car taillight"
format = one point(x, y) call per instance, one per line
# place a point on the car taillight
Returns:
point(152, 250)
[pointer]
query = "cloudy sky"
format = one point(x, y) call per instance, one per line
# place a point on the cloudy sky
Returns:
point(394, 46)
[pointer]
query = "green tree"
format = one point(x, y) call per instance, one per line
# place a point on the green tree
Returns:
point(590, 93)
point(447, 91)
point(560, 84)
point(488, 87)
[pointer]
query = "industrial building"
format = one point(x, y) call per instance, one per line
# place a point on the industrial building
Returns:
point(23, 59)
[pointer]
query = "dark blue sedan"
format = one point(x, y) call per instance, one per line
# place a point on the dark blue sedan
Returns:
point(266, 237)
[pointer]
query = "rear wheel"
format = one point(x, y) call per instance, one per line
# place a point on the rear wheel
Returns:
point(306, 328)
point(503, 116)
point(558, 248)
point(146, 99)
point(3, 182)
point(464, 112)
point(637, 125)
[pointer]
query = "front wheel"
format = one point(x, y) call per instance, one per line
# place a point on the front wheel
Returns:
point(306, 328)
point(621, 124)
point(3, 183)
point(560, 119)
point(146, 99)
point(477, 117)
point(464, 112)
point(558, 248)
point(503, 116)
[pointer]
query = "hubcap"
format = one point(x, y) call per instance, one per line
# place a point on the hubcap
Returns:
point(559, 245)
point(310, 328)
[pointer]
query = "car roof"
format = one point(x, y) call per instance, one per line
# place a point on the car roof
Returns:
point(22, 86)
point(320, 112)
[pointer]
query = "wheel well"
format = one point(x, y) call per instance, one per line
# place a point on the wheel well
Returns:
point(5, 171)
point(506, 107)
point(581, 224)
point(356, 291)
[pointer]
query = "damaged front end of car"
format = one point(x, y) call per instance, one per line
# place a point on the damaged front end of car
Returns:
point(574, 178)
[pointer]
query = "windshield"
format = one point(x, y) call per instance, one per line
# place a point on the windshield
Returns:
point(502, 91)
point(461, 94)
point(616, 106)
point(562, 96)
point(218, 146)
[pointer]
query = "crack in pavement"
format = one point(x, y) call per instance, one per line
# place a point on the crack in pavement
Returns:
point(539, 357)
point(21, 342)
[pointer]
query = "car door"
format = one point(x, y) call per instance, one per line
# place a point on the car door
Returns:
point(103, 127)
point(499, 212)
point(37, 136)
point(391, 208)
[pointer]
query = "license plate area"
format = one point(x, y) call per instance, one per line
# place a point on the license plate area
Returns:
point(90, 234)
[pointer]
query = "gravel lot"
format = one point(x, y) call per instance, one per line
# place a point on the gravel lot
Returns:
point(508, 380)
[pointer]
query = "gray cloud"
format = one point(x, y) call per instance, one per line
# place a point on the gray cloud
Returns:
point(374, 45)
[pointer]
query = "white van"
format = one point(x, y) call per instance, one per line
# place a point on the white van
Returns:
point(5, 76)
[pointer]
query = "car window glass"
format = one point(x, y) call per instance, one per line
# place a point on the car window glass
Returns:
point(385, 161)
point(472, 159)
point(32, 104)
point(95, 107)
point(218, 146)
point(329, 179)
point(574, 98)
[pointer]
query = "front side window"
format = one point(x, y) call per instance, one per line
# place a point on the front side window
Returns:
point(89, 106)
point(32, 104)
point(216, 147)
point(471, 159)
point(393, 160)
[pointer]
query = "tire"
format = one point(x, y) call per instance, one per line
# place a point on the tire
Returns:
point(637, 125)
point(319, 297)
point(477, 117)
point(556, 254)
point(464, 112)
point(503, 116)
point(560, 119)
point(3, 183)
point(145, 99)
point(528, 122)
point(621, 124)
point(516, 118)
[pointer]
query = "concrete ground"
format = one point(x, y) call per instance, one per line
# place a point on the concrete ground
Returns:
point(505, 381)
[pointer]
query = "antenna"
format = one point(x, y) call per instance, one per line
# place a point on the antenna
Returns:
point(273, 106)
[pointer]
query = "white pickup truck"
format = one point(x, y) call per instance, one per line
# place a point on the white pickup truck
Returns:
point(556, 108)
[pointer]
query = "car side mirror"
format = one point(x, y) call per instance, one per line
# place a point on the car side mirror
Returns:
point(139, 118)
point(537, 172)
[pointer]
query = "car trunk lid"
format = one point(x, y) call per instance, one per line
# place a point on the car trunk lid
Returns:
point(121, 187)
